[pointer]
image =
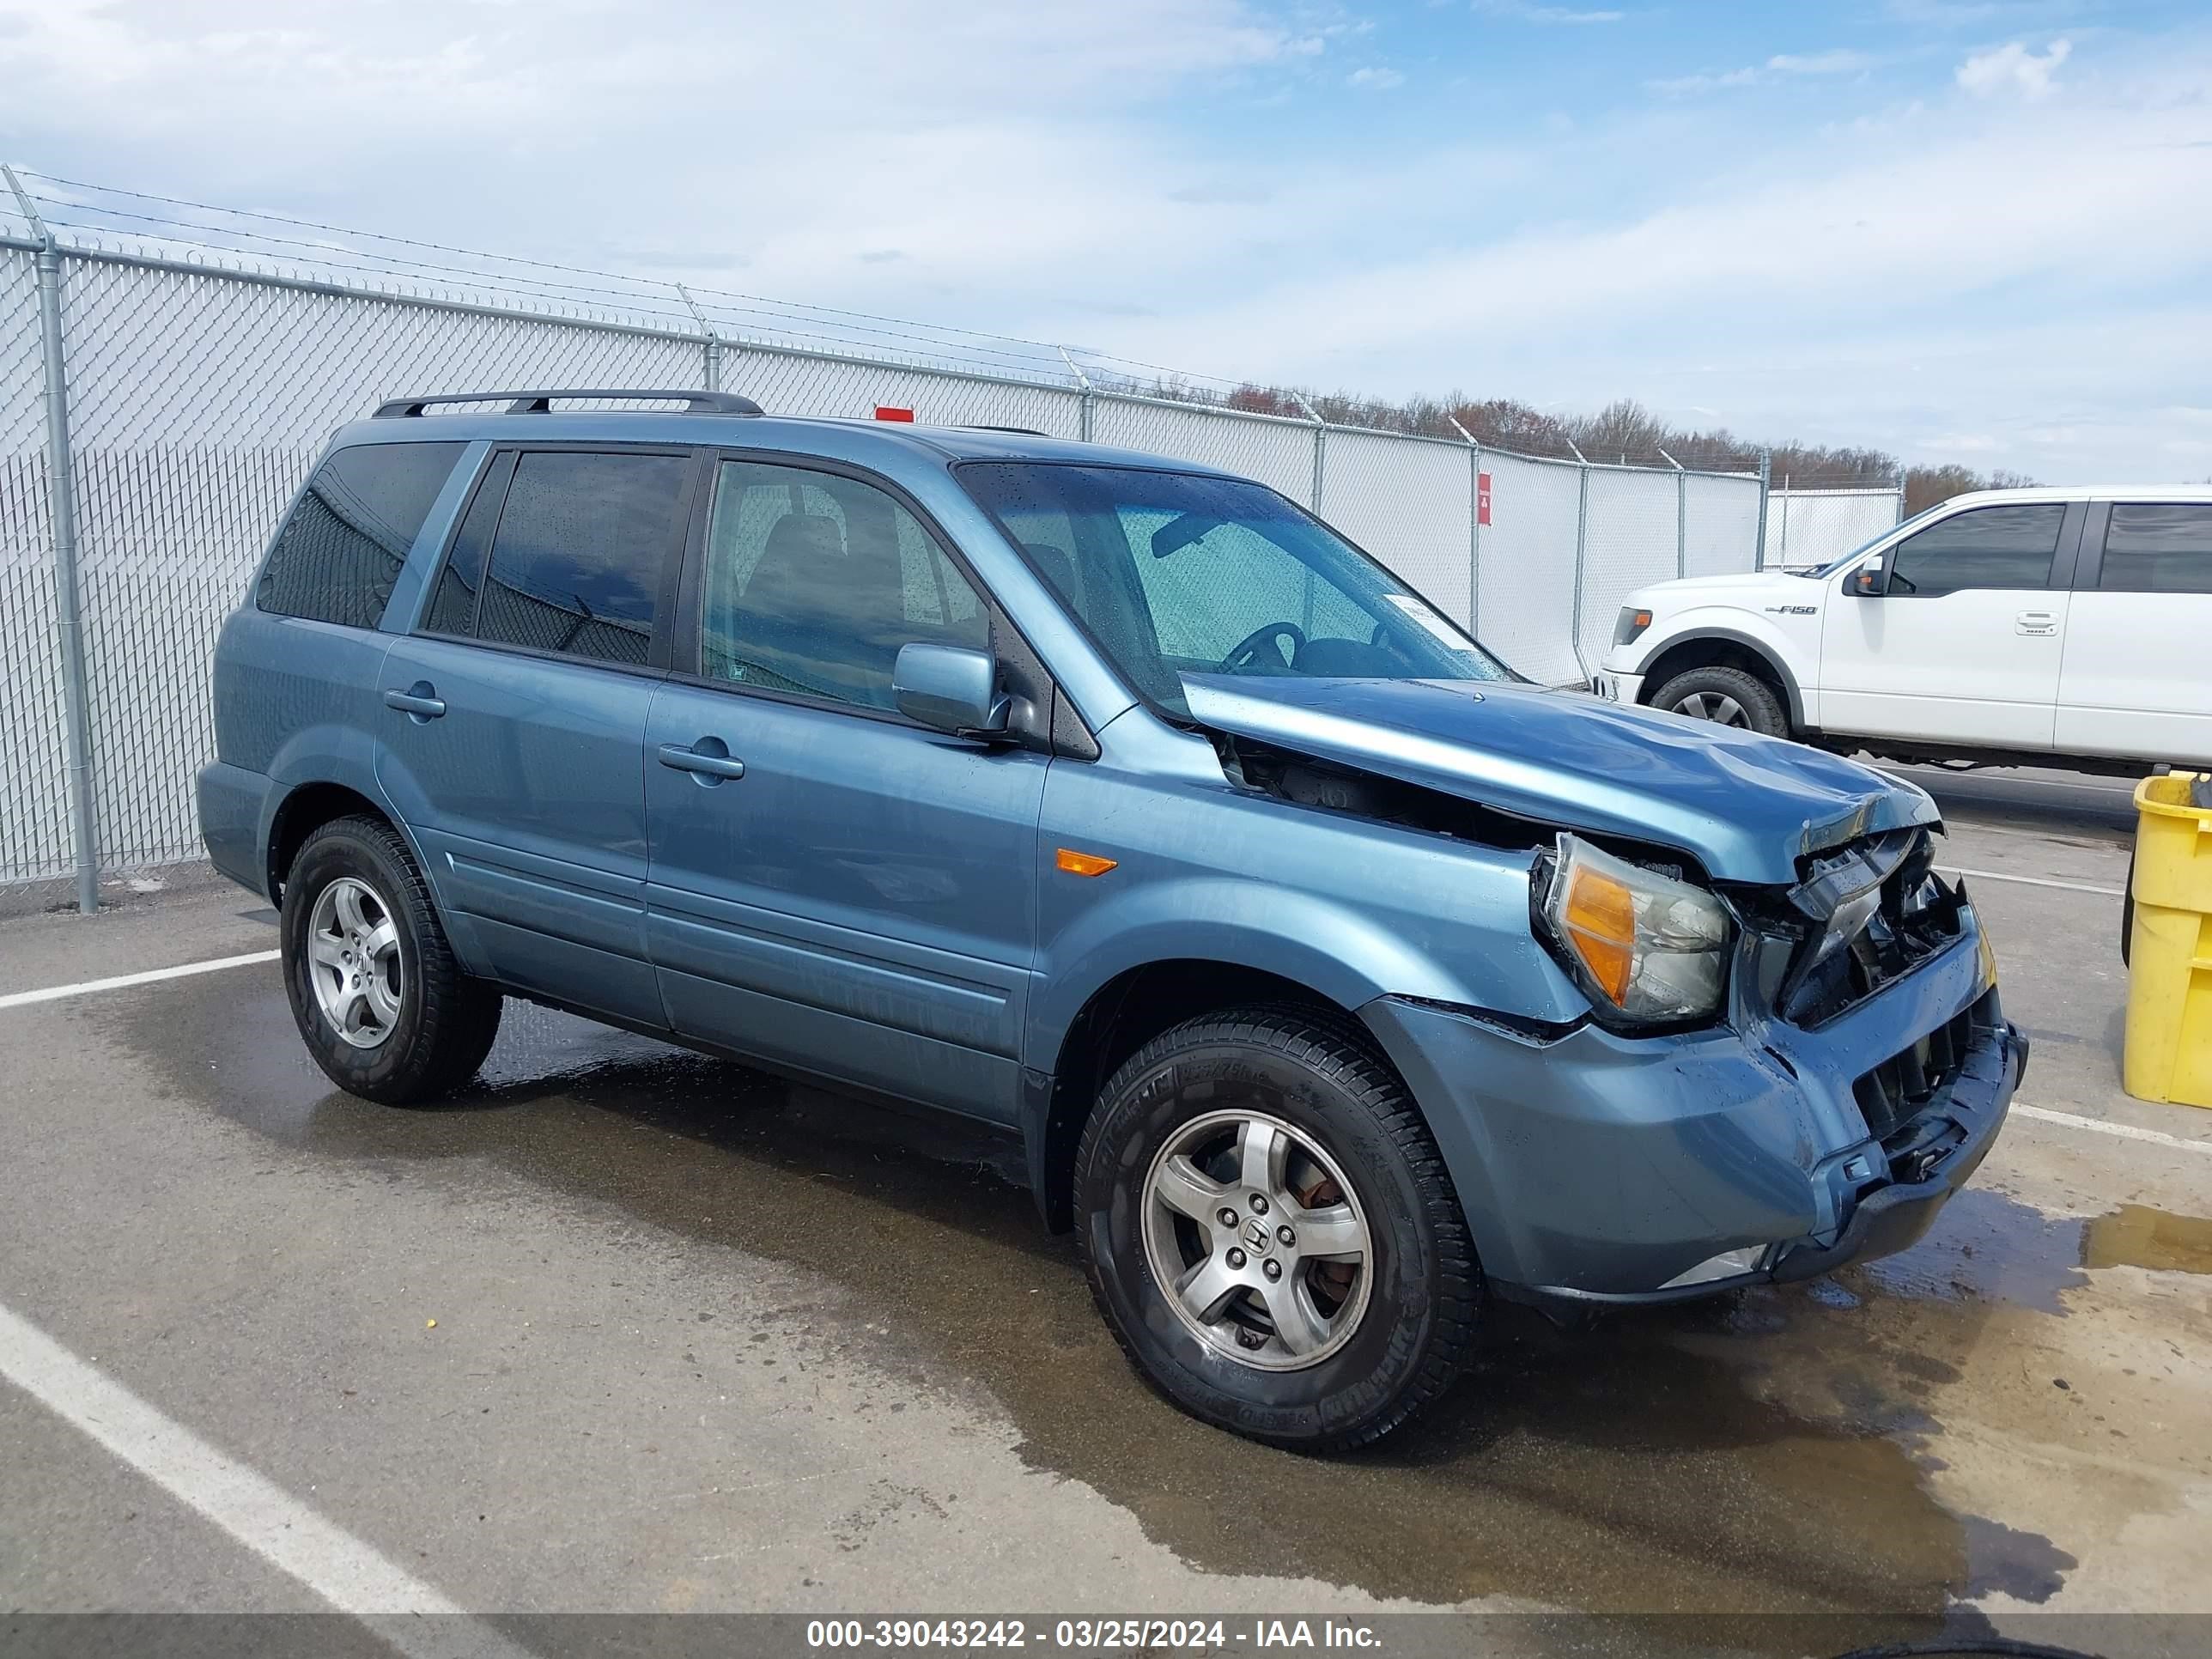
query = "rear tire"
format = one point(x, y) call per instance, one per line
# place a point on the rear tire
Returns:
point(1329, 1312)
point(1727, 696)
point(378, 997)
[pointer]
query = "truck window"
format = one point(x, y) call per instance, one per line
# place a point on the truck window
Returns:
point(577, 560)
point(2158, 550)
point(341, 551)
point(1989, 547)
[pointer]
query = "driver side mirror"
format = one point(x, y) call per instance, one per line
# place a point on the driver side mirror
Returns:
point(951, 689)
point(1870, 581)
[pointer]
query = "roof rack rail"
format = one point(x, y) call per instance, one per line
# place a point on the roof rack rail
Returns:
point(541, 402)
point(1018, 431)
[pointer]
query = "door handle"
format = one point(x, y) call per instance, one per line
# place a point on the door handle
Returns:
point(2036, 624)
point(707, 764)
point(420, 700)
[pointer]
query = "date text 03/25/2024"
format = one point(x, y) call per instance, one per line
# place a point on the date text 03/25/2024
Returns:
point(1089, 1635)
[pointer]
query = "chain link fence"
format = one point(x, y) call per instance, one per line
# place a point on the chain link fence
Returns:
point(1807, 527)
point(198, 395)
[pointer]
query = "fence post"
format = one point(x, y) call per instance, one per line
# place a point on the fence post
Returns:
point(1765, 480)
point(1087, 407)
point(1474, 527)
point(61, 494)
point(1320, 449)
point(1681, 517)
point(1899, 518)
point(710, 342)
point(1582, 557)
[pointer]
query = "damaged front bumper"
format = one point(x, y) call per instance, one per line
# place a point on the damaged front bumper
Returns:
point(1598, 1168)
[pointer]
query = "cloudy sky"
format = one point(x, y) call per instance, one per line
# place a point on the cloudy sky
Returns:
point(1961, 229)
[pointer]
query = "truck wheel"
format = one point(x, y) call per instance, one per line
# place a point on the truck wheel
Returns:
point(1270, 1233)
point(1727, 696)
point(378, 1000)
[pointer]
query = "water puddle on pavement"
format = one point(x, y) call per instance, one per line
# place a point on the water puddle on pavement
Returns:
point(1766, 1452)
point(2136, 1236)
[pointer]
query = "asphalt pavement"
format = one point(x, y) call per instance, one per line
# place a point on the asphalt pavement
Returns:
point(629, 1330)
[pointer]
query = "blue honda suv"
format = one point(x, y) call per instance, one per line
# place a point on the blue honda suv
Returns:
point(1332, 977)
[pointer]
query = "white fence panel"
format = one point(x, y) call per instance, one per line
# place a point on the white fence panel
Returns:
point(1278, 454)
point(1410, 504)
point(1721, 518)
point(34, 750)
point(832, 388)
point(1812, 526)
point(1631, 542)
point(1525, 603)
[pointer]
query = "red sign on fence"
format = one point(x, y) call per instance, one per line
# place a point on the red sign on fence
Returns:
point(1482, 498)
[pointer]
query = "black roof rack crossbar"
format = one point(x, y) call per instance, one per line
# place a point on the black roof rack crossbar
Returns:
point(541, 402)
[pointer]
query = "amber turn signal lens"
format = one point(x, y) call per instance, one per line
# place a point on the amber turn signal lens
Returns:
point(1082, 864)
point(1601, 925)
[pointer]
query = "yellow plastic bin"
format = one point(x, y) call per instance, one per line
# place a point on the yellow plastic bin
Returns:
point(2169, 1054)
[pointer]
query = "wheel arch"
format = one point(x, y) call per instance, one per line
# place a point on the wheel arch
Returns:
point(1115, 1020)
point(306, 807)
point(1724, 647)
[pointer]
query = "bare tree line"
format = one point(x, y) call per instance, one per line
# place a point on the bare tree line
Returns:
point(1623, 431)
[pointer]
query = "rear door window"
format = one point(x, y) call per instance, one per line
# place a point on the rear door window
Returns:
point(582, 549)
point(342, 549)
point(2007, 547)
point(2158, 550)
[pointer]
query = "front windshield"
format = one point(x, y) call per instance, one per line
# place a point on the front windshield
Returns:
point(1178, 574)
point(1834, 565)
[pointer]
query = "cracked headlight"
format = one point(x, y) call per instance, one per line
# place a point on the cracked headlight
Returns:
point(1652, 947)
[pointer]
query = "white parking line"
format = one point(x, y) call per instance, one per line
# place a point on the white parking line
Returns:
point(85, 987)
point(2033, 881)
point(329, 1560)
point(2106, 1126)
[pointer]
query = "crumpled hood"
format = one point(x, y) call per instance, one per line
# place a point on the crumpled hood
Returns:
point(1747, 807)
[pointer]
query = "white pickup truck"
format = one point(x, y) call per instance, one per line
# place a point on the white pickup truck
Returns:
point(2013, 627)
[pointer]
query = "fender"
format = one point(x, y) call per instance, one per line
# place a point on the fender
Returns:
point(346, 756)
point(1338, 952)
point(1738, 627)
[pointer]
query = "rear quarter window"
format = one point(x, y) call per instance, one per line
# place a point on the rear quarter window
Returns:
point(339, 553)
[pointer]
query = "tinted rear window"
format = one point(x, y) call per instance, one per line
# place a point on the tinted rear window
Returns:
point(342, 549)
point(577, 560)
point(2159, 550)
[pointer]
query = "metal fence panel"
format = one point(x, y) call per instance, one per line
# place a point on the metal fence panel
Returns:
point(1631, 543)
point(1407, 503)
point(795, 383)
point(1812, 526)
point(1721, 519)
point(1278, 454)
point(197, 403)
point(1527, 566)
point(34, 794)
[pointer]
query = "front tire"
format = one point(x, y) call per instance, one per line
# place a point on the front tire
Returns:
point(378, 997)
point(1726, 696)
point(1269, 1231)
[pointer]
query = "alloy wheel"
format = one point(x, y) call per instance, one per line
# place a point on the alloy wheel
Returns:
point(354, 962)
point(1715, 706)
point(1257, 1240)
